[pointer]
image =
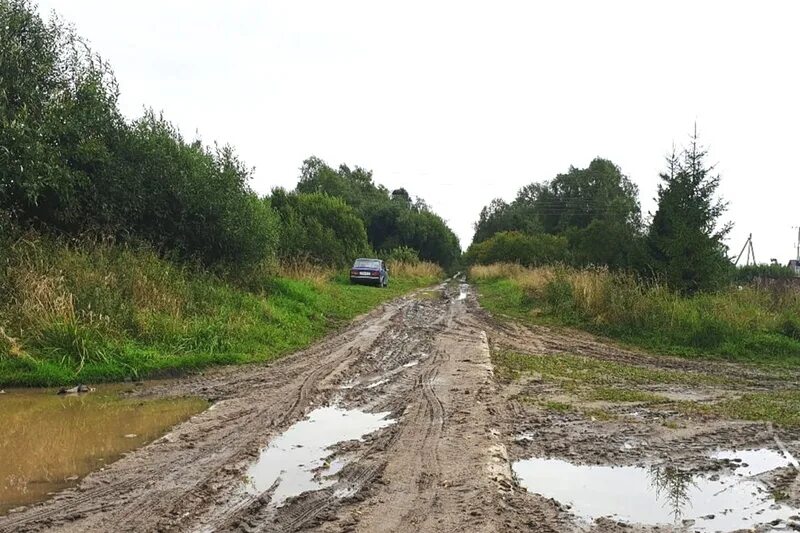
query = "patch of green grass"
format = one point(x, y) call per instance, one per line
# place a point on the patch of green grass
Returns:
point(779, 495)
point(618, 395)
point(595, 371)
point(557, 406)
point(780, 407)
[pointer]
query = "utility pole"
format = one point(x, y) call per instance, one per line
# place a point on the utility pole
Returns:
point(798, 243)
point(748, 245)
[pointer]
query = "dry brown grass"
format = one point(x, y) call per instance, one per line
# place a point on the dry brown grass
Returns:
point(40, 297)
point(528, 278)
point(9, 346)
point(421, 269)
point(305, 271)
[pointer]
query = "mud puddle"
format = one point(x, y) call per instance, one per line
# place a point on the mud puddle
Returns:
point(298, 460)
point(463, 290)
point(48, 442)
point(663, 495)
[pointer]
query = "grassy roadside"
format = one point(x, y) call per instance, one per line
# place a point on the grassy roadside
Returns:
point(94, 312)
point(751, 325)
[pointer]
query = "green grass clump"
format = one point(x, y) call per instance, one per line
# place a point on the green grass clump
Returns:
point(557, 406)
point(93, 312)
point(755, 324)
point(620, 395)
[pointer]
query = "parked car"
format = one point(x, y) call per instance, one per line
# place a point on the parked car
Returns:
point(369, 271)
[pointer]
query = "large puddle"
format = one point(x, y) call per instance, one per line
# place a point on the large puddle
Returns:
point(48, 442)
point(298, 460)
point(665, 495)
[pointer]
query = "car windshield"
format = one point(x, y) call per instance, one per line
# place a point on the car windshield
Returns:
point(367, 263)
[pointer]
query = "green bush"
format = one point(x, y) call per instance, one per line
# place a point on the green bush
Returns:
point(746, 274)
point(320, 228)
point(402, 254)
point(390, 219)
point(522, 248)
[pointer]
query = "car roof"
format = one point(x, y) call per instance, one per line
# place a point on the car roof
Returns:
point(367, 259)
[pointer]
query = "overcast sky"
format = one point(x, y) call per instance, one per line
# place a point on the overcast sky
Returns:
point(461, 102)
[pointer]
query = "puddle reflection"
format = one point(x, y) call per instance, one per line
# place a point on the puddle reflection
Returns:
point(664, 494)
point(297, 460)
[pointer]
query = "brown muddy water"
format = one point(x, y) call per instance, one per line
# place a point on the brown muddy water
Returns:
point(48, 442)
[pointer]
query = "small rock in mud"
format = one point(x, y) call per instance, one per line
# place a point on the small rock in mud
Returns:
point(79, 389)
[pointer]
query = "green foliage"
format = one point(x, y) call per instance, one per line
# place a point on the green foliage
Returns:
point(608, 242)
point(685, 239)
point(320, 228)
point(746, 274)
point(391, 220)
point(70, 162)
point(499, 216)
point(58, 115)
point(402, 254)
point(596, 209)
point(526, 249)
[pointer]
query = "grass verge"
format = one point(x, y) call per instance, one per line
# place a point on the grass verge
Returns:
point(94, 312)
point(756, 325)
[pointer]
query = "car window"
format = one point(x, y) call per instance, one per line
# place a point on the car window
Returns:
point(367, 263)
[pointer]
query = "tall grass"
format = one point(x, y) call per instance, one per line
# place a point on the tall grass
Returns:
point(756, 323)
point(91, 310)
point(415, 269)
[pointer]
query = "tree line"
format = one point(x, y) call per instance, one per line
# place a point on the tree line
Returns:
point(70, 163)
point(592, 216)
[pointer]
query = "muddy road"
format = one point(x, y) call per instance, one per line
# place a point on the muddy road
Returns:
point(400, 422)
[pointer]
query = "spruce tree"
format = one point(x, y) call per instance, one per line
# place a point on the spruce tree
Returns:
point(685, 236)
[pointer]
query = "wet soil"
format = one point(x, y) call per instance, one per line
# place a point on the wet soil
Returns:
point(399, 423)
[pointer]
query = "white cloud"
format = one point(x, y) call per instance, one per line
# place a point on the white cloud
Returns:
point(464, 101)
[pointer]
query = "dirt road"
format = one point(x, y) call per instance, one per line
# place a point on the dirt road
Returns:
point(440, 466)
point(433, 453)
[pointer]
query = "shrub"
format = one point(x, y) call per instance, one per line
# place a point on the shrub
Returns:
point(319, 228)
point(402, 254)
point(746, 274)
point(514, 247)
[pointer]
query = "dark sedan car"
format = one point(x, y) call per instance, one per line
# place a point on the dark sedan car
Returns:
point(370, 271)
